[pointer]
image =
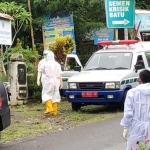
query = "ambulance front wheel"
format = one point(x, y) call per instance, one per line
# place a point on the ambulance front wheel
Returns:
point(76, 106)
point(123, 99)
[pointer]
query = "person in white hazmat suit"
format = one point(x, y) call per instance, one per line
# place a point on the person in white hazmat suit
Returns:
point(51, 77)
point(136, 120)
point(41, 75)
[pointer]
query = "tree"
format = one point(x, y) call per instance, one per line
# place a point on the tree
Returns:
point(142, 4)
point(31, 27)
point(19, 14)
point(88, 16)
point(30, 56)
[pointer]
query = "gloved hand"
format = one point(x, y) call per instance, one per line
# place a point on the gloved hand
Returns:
point(38, 78)
point(125, 133)
point(38, 83)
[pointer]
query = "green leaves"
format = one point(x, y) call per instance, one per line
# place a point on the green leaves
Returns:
point(19, 14)
point(142, 4)
point(30, 56)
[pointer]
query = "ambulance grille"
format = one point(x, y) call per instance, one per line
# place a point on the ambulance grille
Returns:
point(91, 85)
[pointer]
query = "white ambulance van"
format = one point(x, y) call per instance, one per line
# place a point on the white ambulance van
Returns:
point(109, 74)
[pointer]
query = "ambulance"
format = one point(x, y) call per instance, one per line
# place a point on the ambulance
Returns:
point(109, 74)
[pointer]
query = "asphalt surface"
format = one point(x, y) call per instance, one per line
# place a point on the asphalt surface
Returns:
point(103, 135)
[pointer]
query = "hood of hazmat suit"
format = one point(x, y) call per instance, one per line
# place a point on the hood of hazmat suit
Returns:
point(144, 88)
point(45, 53)
point(50, 56)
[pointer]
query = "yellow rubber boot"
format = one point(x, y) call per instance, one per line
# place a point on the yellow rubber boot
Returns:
point(55, 107)
point(49, 108)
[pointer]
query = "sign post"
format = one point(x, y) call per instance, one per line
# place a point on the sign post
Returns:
point(116, 34)
point(55, 25)
point(5, 37)
point(120, 13)
point(5, 29)
point(142, 17)
point(142, 23)
point(102, 37)
point(126, 34)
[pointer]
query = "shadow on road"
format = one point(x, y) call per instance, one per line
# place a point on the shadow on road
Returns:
point(101, 109)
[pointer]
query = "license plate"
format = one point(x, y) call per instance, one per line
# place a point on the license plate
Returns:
point(89, 94)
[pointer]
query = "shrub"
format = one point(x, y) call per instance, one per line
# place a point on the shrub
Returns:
point(34, 90)
point(30, 56)
point(62, 46)
point(4, 78)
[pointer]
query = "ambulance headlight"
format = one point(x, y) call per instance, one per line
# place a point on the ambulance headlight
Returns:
point(112, 85)
point(72, 85)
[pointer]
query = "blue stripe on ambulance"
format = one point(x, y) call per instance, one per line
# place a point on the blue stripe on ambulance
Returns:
point(65, 79)
point(129, 81)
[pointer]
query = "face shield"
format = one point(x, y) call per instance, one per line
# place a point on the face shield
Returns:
point(50, 56)
point(45, 53)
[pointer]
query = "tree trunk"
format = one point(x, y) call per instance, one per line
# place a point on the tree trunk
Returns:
point(31, 26)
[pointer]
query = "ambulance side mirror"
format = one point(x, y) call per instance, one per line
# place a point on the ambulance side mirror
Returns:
point(77, 68)
point(139, 65)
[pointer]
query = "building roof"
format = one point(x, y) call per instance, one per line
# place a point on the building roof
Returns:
point(6, 16)
point(142, 11)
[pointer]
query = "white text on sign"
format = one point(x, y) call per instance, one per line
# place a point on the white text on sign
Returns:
point(118, 8)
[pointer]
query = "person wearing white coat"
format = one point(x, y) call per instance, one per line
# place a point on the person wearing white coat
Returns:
point(51, 80)
point(39, 76)
point(136, 119)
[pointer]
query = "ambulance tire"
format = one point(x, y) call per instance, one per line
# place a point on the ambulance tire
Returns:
point(123, 99)
point(61, 92)
point(76, 106)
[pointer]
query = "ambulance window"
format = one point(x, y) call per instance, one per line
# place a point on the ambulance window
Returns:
point(71, 63)
point(147, 54)
point(140, 61)
point(93, 61)
point(110, 60)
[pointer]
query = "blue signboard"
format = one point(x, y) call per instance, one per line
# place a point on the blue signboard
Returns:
point(144, 20)
point(69, 32)
point(103, 37)
point(57, 24)
point(120, 13)
point(58, 19)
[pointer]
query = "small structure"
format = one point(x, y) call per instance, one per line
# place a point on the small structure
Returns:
point(142, 24)
point(17, 79)
point(5, 36)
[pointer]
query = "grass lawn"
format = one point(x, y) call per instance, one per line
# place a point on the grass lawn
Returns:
point(29, 120)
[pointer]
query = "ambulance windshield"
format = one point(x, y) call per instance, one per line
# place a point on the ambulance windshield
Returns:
point(110, 61)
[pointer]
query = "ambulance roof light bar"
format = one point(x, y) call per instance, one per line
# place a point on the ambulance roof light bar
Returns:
point(119, 42)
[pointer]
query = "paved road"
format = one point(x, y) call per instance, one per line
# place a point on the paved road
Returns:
point(104, 135)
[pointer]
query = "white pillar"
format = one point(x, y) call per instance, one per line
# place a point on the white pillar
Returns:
point(116, 34)
point(126, 34)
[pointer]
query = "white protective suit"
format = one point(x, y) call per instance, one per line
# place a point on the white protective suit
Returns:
point(137, 115)
point(40, 76)
point(51, 73)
